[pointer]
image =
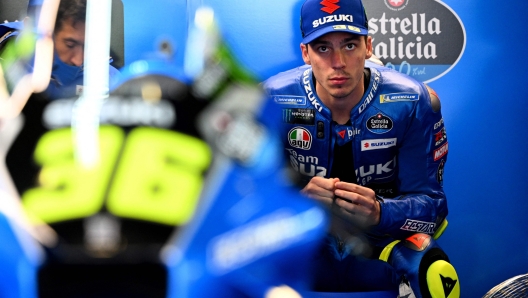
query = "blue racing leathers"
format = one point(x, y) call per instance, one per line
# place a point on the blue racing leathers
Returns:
point(399, 144)
point(398, 147)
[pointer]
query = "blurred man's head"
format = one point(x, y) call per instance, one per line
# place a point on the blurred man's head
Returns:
point(69, 31)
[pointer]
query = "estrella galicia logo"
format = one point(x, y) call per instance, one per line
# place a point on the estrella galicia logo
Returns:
point(299, 116)
point(379, 123)
point(422, 38)
point(300, 137)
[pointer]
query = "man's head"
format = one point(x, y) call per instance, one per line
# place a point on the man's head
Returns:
point(336, 44)
point(69, 31)
point(321, 17)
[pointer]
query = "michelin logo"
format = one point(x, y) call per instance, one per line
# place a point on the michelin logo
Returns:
point(290, 99)
point(396, 97)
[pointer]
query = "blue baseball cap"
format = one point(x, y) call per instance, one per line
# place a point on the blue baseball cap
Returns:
point(321, 17)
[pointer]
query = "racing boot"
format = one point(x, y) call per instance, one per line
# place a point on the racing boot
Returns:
point(424, 267)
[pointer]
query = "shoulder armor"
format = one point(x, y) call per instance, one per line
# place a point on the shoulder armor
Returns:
point(435, 101)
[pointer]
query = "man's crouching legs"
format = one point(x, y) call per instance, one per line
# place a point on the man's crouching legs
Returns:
point(424, 267)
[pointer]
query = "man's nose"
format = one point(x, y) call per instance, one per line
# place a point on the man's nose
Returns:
point(77, 58)
point(338, 60)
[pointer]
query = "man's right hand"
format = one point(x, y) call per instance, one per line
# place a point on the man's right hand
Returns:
point(321, 189)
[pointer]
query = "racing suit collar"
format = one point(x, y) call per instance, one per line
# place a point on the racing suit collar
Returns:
point(370, 92)
point(308, 81)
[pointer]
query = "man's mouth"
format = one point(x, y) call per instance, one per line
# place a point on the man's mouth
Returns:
point(338, 80)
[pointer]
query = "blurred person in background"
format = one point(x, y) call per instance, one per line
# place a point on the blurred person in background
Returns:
point(69, 36)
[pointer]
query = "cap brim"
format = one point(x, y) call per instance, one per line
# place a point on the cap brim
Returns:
point(335, 28)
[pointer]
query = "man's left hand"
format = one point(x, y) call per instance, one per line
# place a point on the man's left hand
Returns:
point(357, 204)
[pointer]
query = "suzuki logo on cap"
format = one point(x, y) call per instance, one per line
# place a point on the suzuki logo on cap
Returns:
point(330, 6)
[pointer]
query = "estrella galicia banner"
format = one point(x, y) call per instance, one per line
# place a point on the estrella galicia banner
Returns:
point(421, 38)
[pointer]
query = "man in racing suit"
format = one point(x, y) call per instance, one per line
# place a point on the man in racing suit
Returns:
point(370, 144)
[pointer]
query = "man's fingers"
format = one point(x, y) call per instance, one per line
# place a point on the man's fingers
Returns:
point(351, 187)
point(346, 204)
point(359, 207)
point(349, 196)
point(324, 182)
point(356, 214)
point(319, 194)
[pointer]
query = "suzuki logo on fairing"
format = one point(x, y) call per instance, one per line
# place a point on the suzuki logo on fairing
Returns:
point(261, 237)
point(329, 6)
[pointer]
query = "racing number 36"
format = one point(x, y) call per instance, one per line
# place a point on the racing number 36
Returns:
point(151, 174)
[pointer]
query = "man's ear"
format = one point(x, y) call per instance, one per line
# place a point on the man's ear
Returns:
point(304, 51)
point(369, 47)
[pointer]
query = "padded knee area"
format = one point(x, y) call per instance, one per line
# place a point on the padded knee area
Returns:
point(442, 280)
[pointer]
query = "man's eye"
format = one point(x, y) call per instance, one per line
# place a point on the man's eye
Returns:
point(350, 46)
point(70, 45)
point(323, 49)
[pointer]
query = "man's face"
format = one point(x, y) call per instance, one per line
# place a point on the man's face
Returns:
point(69, 42)
point(337, 60)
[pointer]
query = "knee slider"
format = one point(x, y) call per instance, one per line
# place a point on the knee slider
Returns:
point(425, 265)
point(437, 277)
point(442, 280)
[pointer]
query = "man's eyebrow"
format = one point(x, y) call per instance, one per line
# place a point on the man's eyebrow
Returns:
point(319, 42)
point(351, 38)
point(72, 40)
point(343, 41)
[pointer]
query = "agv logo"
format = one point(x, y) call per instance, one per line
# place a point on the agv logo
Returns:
point(300, 137)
